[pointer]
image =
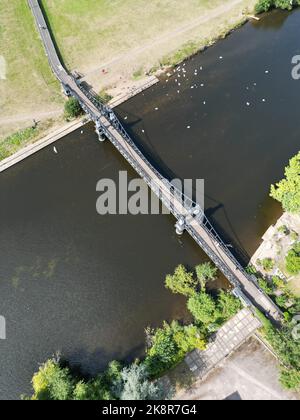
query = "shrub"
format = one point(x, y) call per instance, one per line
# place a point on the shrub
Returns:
point(287, 191)
point(267, 264)
point(287, 349)
point(135, 385)
point(52, 382)
point(283, 229)
point(72, 108)
point(181, 282)
point(205, 273)
point(294, 236)
point(293, 259)
point(169, 345)
point(55, 382)
point(266, 287)
point(290, 379)
point(203, 308)
point(266, 5)
point(104, 97)
point(227, 306)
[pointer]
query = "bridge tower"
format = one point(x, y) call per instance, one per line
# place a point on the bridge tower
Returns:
point(100, 132)
point(65, 90)
point(180, 226)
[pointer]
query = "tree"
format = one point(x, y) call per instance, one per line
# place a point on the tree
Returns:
point(205, 272)
point(52, 382)
point(93, 390)
point(266, 286)
point(227, 306)
point(135, 385)
point(287, 191)
point(203, 308)
point(266, 5)
point(169, 345)
point(55, 382)
point(72, 108)
point(181, 282)
point(293, 260)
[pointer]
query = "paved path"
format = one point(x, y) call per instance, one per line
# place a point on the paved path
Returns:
point(29, 117)
point(228, 339)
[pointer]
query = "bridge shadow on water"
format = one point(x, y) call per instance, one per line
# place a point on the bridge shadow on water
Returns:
point(229, 235)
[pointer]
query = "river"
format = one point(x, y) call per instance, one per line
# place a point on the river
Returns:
point(87, 285)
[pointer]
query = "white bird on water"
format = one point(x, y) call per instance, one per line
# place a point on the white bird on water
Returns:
point(55, 150)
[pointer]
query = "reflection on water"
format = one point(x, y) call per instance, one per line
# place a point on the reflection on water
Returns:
point(87, 285)
point(271, 21)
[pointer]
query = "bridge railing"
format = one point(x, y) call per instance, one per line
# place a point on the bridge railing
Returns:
point(187, 202)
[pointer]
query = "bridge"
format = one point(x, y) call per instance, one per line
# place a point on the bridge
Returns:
point(190, 217)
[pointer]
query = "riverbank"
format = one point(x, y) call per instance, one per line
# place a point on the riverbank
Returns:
point(38, 145)
point(117, 60)
point(35, 142)
point(269, 259)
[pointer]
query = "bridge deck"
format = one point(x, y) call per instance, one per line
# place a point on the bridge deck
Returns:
point(107, 122)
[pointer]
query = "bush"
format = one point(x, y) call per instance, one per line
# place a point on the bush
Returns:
point(266, 287)
point(287, 349)
point(293, 260)
point(290, 379)
point(169, 345)
point(52, 382)
point(135, 385)
point(227, 307)
point(72, 108)
point(266, 5)
point(284, 230)
point(203, 308)
point(181, 282)
point(267, 264)
point(104, 97)
point(287, 191)
point(205, 273)
point(55, 382)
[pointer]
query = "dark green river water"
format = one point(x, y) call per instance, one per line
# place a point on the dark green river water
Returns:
point(88, 285)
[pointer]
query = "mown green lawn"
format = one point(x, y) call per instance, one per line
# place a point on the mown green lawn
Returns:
point(29, 85)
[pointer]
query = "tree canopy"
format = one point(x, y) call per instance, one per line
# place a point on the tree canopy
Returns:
point(266, 5)
point(205, 272)
point(72, 108)
point(181, 282)
point(287, 191)
point(293, 259)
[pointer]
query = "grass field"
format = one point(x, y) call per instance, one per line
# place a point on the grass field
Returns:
point(129, 37)
point(109, 27)
point(29, 87)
